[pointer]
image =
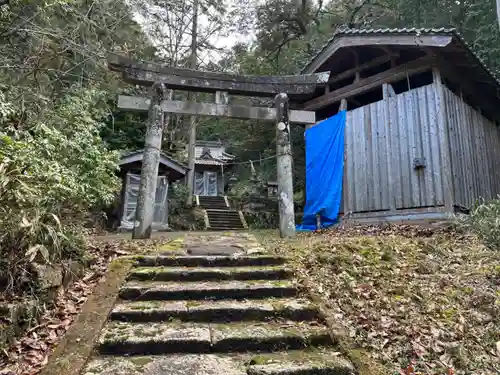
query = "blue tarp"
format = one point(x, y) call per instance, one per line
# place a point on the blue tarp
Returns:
point(324, 169)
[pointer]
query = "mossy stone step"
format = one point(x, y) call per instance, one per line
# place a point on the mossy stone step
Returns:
point(152, 290)
point(224, 215)
point(173, 364)
point(303, 362)
point(221, 229)
point(215, 311)
point(209, 273)
point(154, 338)
point(208, 261)
point(269, 337)
point(174, 337)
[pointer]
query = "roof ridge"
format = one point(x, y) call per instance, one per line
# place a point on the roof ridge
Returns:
point(345, 30)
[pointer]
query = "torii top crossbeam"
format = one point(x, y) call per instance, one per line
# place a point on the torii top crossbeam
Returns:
point(148, 73)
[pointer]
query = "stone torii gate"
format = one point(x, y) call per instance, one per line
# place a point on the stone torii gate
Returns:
point(163, 80)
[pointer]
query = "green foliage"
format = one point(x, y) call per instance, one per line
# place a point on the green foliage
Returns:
point(289, 35)
point(484, 220)
point(51, 175)
point(177, 198)
point(56, 96)
point(57, 117)
point(125, 131)
point(182, 217)
point(262, 220)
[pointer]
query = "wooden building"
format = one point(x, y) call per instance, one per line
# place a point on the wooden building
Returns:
point(211, 165)
point(169, 171)
point(422, 134)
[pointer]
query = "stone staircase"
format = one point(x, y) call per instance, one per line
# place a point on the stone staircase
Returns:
point(214, 315)
point(215, 203)
point(219, 216)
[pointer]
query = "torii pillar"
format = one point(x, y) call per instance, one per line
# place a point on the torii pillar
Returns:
point(144, 214)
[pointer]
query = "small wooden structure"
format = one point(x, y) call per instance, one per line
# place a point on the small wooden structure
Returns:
point(422, 138)
point(211, 164)
point(169, 171)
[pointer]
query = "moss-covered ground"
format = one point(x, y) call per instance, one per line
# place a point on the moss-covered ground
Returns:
point(401, 293)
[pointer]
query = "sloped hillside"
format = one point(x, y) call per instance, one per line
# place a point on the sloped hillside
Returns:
point(420, 299)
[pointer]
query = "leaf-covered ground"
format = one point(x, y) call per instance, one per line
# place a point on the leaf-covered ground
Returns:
point(407, 294)
point(30, 352)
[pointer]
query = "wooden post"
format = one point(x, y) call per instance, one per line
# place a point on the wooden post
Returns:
point(444, 140)
point(284, 167)
point(150, 161)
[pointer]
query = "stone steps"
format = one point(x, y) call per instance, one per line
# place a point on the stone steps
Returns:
point(213, 202)
point(214, 315)
point(224, 219)
point(304, 362)
point(215, 311)
point(208, 261)
point(209, 274)
point(168, 291)
point(174, 337)
point(215, 206)
point(308, 362)
point(224, 228)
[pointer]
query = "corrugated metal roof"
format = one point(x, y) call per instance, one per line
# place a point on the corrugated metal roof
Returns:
point(404, 31)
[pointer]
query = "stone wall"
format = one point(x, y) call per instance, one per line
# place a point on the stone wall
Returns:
point(18, 315)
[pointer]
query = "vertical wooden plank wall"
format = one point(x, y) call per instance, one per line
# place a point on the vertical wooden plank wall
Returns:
point(475, 156)
point(383, 139)
point(444, 140)
point(366, 159)
point(459, 146)
point(388, 93)
point(417, 135)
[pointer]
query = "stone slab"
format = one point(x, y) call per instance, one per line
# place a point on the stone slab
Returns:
point(207, 261)
point(173, 337)
point(154, 338)
point(237, 337)
point(187, 364)
point(231, 305)
point(231, 310)
point(147, 290)
point(210, 273)
point(207, 249)
point(147, 306)
point(258, 309)
point(215, 310)
point(149, 311)
point(230, 241)
point(307, 362)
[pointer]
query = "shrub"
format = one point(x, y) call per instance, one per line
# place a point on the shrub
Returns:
point(484, 221)
point(52, 172)
point(177, 198)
